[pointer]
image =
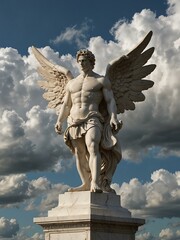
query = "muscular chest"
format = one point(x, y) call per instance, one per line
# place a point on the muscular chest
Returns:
point(88, 85)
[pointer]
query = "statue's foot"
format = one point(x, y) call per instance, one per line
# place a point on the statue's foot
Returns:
point(109, 190)
point(95, 188)
point(83, 187)
point(106, 186)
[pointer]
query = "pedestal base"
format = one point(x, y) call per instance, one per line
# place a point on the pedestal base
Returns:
point(89, 216)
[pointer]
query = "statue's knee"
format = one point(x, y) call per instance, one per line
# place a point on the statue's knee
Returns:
point(93, 147)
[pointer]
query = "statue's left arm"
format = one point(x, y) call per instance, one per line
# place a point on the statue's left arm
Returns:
point(111, 104)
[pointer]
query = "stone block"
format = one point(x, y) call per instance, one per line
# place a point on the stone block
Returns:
point(89, 216)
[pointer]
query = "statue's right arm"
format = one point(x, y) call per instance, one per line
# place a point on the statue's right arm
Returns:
point(64, 112)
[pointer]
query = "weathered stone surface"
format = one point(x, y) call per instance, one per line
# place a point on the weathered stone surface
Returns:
point(86, 203)
point(89, 216)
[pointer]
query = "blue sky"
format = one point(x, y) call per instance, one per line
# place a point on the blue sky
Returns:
point(35, 165)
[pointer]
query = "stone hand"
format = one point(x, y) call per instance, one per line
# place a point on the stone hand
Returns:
point(115, 124)
point(58, 128)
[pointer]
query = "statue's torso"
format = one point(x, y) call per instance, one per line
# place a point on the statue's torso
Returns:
point(86, 95)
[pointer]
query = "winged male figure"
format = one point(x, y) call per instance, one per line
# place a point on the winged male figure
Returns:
point(90, 104)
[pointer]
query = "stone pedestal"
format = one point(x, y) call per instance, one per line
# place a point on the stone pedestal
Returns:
point(89, 216)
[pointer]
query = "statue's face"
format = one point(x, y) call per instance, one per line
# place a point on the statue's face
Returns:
point(85, 64)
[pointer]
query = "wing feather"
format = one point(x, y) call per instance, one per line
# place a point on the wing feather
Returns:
point(136, 96)
point(140, 85)
point(46, 85)
point(144, 57)
point(55, 80)
point(127, 75)
point(141, 46)
point(142, 72)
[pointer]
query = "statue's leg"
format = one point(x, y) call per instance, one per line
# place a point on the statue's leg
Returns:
point(81, 164)
point(92, 139)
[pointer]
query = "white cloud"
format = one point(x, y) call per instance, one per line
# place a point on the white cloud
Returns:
point(169, 234)
point(154, 123)
point(158, 198)
point(145, 236)
point(38, 236)
point(26, 126)
point(48, 198)
point(16, 189)
point(165, 234)
point(23, 141)
point(26, 233)
point(74, 34)
point(8, 227)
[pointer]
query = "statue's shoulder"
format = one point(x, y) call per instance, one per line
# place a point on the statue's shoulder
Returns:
point(72, 81)
point(99, 77)
point(103, 80)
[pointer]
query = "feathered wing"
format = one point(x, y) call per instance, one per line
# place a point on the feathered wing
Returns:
point(56, 78)
point(127, 76)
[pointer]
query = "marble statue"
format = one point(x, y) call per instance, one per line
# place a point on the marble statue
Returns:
point(90, 104)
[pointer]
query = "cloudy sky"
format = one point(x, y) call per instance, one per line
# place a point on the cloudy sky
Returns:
point(35, 165)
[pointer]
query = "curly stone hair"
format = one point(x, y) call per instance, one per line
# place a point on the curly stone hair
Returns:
point(85, 52)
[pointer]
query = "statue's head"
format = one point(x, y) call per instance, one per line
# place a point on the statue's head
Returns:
point(88, 54)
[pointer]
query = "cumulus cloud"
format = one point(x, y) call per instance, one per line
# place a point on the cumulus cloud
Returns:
point(28, 141)
point(26, 125)
point(145, 236)
point(23, 142)
point(154, 123)
point(169, 234)
point(8, 227)
point(26, 233)
point(48, 199)
point(16, 189)
point(165, 234)
point(158, 198)
point(75, 34)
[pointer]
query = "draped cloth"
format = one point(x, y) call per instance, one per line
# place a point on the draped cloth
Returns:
point(77, 128)
point(109, 146)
